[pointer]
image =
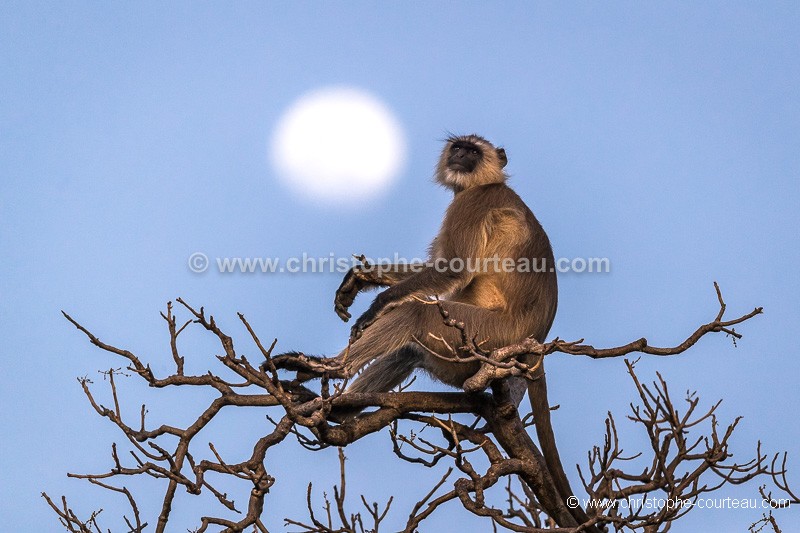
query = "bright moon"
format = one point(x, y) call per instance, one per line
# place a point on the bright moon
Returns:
point(338, 145)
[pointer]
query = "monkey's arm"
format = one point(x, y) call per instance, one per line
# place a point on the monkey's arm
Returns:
point(428, 281)
point(462, 240)
point(360, 278)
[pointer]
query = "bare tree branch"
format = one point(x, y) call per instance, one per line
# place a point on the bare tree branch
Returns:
point(687, 448)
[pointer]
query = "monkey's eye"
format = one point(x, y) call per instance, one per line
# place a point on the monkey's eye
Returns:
point(474, 151)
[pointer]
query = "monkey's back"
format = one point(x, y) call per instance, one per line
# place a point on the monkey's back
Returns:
point(494, 232)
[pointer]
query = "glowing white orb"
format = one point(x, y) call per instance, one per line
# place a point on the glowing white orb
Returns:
point(338, 145)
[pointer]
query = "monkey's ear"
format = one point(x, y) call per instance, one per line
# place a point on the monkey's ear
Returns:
point(501, 154)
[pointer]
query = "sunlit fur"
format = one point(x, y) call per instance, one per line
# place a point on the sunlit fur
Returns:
point(489, 170)
point(485, 219)
point(499, 308)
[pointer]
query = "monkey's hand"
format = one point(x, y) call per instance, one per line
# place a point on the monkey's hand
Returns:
point(378, 308)
point(356, 280)
point(363, 322)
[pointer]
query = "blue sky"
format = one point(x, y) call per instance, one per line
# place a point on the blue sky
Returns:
point(664, 137)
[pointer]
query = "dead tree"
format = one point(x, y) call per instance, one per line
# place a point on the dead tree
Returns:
point(689, 454)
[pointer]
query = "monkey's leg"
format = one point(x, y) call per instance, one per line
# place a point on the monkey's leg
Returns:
point(493, 330)
point(387, 372)
point(391, 344)
point(391, 349)
point(384, 374)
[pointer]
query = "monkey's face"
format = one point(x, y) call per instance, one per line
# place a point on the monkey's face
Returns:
point(470, 161)
point(464, 156)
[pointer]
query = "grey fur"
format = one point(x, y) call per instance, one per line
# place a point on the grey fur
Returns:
point(402, 326)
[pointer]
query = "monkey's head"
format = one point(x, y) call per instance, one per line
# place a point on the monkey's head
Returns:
point(470, 161)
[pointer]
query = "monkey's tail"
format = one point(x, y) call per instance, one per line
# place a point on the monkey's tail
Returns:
point(537, 392)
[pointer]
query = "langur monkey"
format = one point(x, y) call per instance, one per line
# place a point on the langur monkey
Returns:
point(398, 332)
